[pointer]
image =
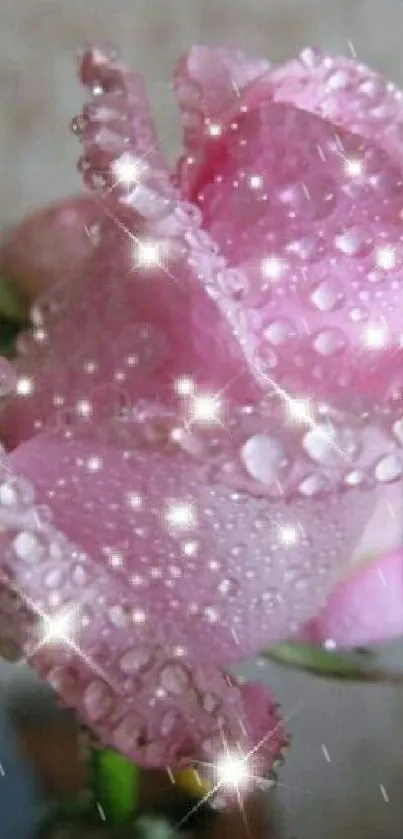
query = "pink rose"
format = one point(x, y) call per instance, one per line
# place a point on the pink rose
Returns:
point(203, 407)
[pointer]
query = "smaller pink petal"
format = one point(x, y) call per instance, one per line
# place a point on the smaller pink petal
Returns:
point(50, 246)
point(344, 91)
point(365, 609)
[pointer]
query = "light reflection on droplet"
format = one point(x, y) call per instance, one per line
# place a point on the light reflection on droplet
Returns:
point(148, 253)
point(385, 257)
point(206, 408)
point(354, 167)
point(181, 515)
point(184, 386)
point(128, 169)
point(273, 267)
point(25, 386)
point(376, 336)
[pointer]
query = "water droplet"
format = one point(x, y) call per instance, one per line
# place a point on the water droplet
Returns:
point(30, 546)
point(264, 458)
point(174, 678)
point(269, 598)
point(228, 587)
point(268, 357)
point(311, 57)
point(327, 296)
point(354, 478)
point(97, 700)
point(134, 660)
point(279, 332)
point(211, 703)
point(312, 485)
point(354, 241)
point(171, 720)
point(236, 282)
point(128, 734)
point(212, 614)
point(16, 492)
point(118, 616)
point(389, 469)
point(77, 125)
point(357, 314)
point(53, 578)
point(337, 80)
point(398, 430)
point(329, 342)
point(79, 575)
point(321, 198)
point(190, 548)
point(63, 682)
point(329, 445)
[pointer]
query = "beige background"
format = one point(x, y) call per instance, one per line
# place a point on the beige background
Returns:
point(361, 728)
point(39, 40)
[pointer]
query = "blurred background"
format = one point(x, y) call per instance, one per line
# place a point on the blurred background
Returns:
point(344, 774)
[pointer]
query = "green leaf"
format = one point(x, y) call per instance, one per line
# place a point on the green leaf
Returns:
point(11, 304)
point(331, 664)
point(116, 785)
point(9, 330)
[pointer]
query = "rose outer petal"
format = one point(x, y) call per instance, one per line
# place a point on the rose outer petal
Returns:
point(98, 631)
point(227, 594)
point(367, 608)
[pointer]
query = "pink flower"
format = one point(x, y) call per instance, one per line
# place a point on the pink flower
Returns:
point(202, 408)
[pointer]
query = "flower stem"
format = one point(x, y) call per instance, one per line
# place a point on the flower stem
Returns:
point(330, 664)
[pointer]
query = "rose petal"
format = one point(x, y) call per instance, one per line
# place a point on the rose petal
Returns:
point(98, 632)
point(343, 91)
point(366, 608)
point(51, 246)
point(208, 82)
point(116, 127)
point(130, 514)
point(268, 728)
point(320, 247)
point(157, 326)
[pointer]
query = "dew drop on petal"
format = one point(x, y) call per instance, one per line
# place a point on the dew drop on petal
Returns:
point(128, 734)
point(312, 485)
point(174, 678)
point(388, 469)
point(354, 478)
point(228, 587)
point(264, 458)
point(30, 546)
point(354, 241)
point(134, 660)
point(329, 342)
point(169, 722)
point(327, 296)
point(16, 492)
point(97, 700)
point(328, 445)
point(279, 332)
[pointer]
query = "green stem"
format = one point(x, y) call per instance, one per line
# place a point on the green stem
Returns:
point(330, 664)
